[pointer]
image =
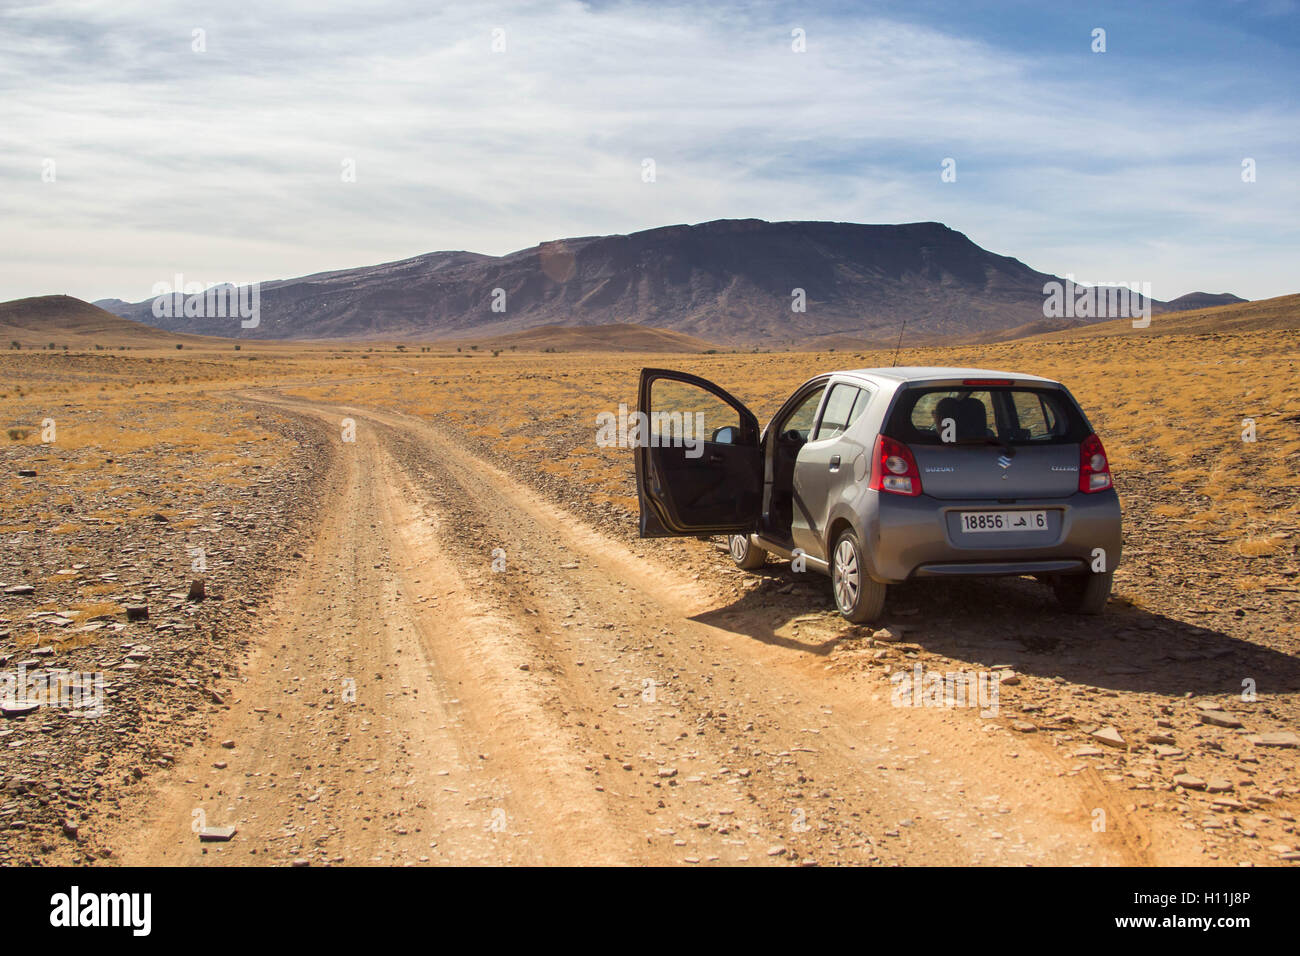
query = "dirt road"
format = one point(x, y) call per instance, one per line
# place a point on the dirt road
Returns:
point(463, 673)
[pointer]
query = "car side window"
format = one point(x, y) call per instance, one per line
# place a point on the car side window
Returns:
point(843, 406)
point(801, 420)
point(682, 413)
point(859, 406)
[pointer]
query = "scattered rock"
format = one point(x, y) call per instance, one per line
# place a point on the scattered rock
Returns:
point(1108, 736)
point(1219, 719)
point(216, 834)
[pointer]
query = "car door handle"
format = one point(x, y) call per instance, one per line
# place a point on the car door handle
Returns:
point(835, 462)
point(715, 459)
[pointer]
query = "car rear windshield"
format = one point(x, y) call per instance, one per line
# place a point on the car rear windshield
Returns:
point(1014, 415)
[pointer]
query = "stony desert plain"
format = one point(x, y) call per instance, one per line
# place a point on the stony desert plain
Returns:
point(369, 603)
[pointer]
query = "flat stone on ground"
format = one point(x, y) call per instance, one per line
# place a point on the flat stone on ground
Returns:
point(1276, 738)
point(1219, 719)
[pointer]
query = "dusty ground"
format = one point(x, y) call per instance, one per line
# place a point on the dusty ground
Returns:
point(385, 695)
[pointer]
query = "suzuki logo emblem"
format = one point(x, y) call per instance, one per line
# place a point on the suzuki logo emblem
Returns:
point(1004, 461)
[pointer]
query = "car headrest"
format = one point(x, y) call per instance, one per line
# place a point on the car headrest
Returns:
point(944, 409)
point(972, 419)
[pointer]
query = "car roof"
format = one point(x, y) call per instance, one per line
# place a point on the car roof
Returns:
point(915, 373)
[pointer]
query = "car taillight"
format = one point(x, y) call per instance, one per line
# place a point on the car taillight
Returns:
point(1094, 467)
point(893, 469)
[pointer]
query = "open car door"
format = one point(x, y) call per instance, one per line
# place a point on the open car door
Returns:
point(699, 469)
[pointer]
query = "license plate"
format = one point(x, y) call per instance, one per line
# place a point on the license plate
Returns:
point(976, 521)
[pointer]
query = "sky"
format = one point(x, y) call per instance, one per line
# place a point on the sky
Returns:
point(244, 142)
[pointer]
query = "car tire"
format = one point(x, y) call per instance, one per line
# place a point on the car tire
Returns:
point(1083, 593)
point(747, 555)
point(859, 597)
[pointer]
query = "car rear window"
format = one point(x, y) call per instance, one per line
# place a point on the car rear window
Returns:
point(1016, 415)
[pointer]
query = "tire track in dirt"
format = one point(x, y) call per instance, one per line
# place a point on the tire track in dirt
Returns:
point(351, 744)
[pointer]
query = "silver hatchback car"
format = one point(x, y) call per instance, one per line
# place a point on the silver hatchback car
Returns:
point(878, 476)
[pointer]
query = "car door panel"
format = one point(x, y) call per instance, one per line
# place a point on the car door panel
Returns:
point(825, 464)
point(702, 486)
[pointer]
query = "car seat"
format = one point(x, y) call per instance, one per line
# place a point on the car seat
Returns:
point(972, 419)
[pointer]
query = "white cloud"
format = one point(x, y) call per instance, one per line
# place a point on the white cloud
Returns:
point(227, 163)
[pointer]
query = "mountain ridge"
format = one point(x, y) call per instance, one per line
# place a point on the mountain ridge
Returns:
point(731, 281)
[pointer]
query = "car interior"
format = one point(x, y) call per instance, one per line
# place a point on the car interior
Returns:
point(792, 434)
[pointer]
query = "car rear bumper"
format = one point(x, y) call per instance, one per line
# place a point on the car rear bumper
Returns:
point(995, 568)
point(921, 537)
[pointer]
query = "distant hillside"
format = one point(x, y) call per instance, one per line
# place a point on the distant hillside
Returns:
point(1282, 312)
point(63, 320)
point(729, 281)
point(1029, 329)
point(1202, 300)
point(599, 338)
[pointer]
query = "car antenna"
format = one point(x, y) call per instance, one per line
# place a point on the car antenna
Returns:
point(900, 342)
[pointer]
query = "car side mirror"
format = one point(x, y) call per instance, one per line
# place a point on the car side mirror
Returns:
point(725, 436)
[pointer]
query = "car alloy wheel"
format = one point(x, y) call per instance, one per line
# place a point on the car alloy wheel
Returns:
point(848, 580)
